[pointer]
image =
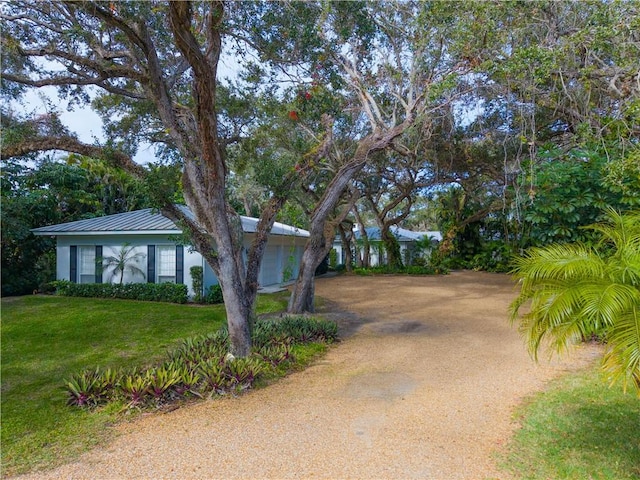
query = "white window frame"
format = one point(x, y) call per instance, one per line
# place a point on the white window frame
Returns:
point(86, 264)
point(165, 263)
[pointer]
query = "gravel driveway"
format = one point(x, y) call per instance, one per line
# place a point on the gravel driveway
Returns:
point(423, 386)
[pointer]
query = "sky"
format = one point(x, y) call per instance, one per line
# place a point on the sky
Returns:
point(82, 121)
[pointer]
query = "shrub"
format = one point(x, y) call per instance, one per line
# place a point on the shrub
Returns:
point(154, 292)
point(275, 354)
point(163, 379)
point(197, 277)
point(323, 267)
point(213, 376)
point(241, 372)
point(135, 386)
point(213, 295)
point(91, 387)
point(294, 329)
point(333, 258)
point(410, 270)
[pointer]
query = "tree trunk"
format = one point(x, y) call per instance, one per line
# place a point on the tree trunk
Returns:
point(302, 297)
point(347, 245)
point(392, 247)
point(318, 247)
point(239, 312)
point(321, 239)
point(364, 257)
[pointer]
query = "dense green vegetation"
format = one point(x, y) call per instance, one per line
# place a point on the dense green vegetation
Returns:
point(49, 192)
point(152, 292)
point(577, 429)
point(578, 291)
point(46, 339)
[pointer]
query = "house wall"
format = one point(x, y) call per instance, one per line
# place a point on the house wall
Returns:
point(280, 263)
point(377, 255)
point(281, 260)
point(111, 245)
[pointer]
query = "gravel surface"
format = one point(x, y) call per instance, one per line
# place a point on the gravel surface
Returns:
point(423, 386)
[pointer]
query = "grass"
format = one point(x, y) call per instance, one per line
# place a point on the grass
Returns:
point(577, 429)
point(46, 339)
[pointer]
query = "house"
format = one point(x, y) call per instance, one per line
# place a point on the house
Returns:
point(162, 257)
point(406, 238)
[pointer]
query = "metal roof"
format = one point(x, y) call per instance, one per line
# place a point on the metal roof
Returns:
point(402, 234)
point(146, 221)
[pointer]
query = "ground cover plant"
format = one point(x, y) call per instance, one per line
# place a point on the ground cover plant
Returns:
point(46, 339)
point(577, 429)
point(201, 366)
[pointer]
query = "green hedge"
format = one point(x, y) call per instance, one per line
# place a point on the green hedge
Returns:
point(213, 295)
point(153, 292)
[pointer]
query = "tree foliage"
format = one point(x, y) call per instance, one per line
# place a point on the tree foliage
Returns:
point(471, 95)
point(50, 192)
point(577, 291)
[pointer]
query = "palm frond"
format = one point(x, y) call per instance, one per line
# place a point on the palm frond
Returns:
point(603, 303)
point(622, 357)
point(562, 262)
point(573, 291)
point(620, 230)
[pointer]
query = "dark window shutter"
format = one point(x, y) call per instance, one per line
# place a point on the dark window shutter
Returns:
point(179, 264)
point(151, 264)
point(73, 263)
point(98, 264)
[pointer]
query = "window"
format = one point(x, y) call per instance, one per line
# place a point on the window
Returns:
point(87, 264)
point(166, 263)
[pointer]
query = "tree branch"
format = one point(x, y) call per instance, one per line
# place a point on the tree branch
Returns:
point(71, 144)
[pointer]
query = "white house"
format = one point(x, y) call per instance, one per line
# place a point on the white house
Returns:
point(162, 258)
point(406, 238)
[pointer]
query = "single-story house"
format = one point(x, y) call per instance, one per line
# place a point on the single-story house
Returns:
point(161, 257)
point(406, 238)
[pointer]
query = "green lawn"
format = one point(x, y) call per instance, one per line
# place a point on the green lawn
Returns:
point(578, 429)
point(46, 339)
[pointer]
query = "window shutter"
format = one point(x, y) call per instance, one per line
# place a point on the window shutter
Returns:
point(73, 263)
point(179, 264)
point(98, 264)
point(151, 264)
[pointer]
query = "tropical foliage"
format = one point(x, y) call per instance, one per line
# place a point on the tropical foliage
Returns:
point(35, 194)
point(578, 291)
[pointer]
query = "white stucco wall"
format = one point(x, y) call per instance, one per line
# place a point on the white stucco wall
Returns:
point(282, 255)
point(111, 245)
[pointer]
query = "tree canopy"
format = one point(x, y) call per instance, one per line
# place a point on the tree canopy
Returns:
point(488, 104)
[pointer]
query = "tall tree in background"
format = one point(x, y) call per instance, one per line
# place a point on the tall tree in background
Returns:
point(45, 192)
point(155, 68)
point(396, 65)
point(562, 76)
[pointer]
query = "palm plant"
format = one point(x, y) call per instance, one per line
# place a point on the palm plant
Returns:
point(122, 260)
point(578, 290)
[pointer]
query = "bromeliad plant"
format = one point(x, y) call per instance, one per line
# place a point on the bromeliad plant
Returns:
point(163, 379)
point(578, 290)
point(201, 366)
point(85, 389)
point(135, 386)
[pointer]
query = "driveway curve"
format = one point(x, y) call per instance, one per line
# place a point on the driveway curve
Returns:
point(422, 386)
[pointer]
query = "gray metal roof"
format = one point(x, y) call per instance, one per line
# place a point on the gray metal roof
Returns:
point(402, 234)
point(146, 222)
